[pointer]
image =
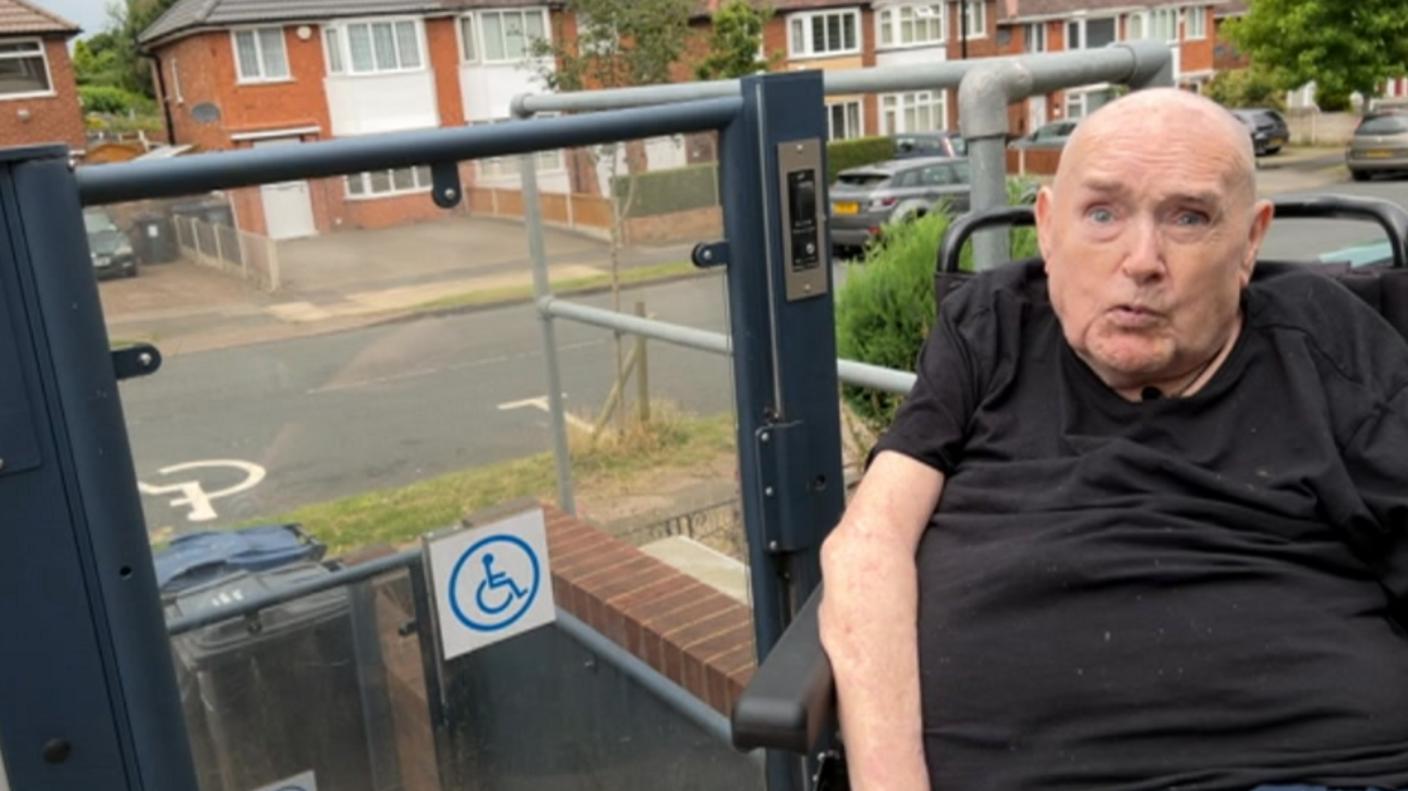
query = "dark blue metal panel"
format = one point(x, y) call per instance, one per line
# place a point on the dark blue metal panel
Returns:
point(784, 355)
point(90, 699)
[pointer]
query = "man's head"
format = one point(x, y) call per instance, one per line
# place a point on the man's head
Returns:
point(1150, 232)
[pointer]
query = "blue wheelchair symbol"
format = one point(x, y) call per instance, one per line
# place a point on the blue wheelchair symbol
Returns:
point(500, 599)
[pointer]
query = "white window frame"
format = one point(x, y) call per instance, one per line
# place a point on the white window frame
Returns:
point(977, 19)
point(859, 118)
point(890, 22)
point(343, 44)
point(1082, 98)
point(1083, 24)
point(1199, 13)
point(1169, 15)
point(896, 105)
point(1027, 38)
point(474, 20)
point(263, 75)
point(549, 161)
point(43, 54)
point(804, 49)
point(420, 175)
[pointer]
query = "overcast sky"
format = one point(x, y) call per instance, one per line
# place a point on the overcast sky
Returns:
point(91, 15)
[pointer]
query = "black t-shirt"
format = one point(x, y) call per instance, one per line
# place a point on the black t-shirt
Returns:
point(1181, 593)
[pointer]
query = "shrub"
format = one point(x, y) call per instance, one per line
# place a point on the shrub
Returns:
point(109, 100)
point(885, 309)
point(843, 154)
point(671, 190)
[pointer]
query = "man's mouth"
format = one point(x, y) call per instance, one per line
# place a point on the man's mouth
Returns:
point(1132, 316)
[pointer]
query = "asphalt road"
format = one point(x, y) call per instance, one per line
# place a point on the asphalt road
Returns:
point(232, 434)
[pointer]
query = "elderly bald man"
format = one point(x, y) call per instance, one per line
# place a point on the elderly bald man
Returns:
point(1140, 524)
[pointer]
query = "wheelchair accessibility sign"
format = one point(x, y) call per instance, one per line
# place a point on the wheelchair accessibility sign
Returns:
point(491, 582)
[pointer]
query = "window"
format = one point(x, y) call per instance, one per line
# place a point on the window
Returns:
point(911, 25)
point(1090, 33)
point(1195, 20)
point(24, 71)
point(1135, 26)
point(1035, 37)
point(923, 111)
point(378, 183)
point(843, 120)
point(175, 83)
point(1163, 24)
point(1083, 103)
point(374, 47)
point(824, 33)
point(260, 55)
point(976, 21)
point(502, 36)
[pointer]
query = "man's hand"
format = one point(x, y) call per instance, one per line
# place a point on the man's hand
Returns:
point(868, 621)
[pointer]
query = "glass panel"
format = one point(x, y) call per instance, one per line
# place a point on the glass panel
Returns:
point(906, 25)
point(853, 119)
point(493, 29)
point(799, 40)
point(422, 173)
point(467, 48)
point(380, 181)
point(360, 39)
point(355, 185)
point(384, 42)
point(818, 42)
point(334, 49)
point(887, 31)
point(403, 179)
point(1099, 32)
point(271, 44)
point(408, 45)
point(23, 75)
point(248, 53)
point(534, 28)
point(848, 22)
point(513, 35)
point(20, 47)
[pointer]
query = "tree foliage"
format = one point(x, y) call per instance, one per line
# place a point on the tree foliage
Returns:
point(1343, 46)
point(735, 41)
point(111, 57)
point(1252, 87)
point(618, 43)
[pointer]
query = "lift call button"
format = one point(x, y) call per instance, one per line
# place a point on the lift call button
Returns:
point(802, 201)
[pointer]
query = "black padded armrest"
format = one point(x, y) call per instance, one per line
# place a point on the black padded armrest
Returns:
point(792, 697)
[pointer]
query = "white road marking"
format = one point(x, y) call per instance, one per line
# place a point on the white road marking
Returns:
point(194, 495)
point(541, 402)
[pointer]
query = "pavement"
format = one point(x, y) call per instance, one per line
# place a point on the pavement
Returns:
point(347, 279)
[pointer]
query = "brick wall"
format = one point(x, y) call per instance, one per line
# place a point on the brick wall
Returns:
point(687, 631)
point(47, 119)
point(698, 225)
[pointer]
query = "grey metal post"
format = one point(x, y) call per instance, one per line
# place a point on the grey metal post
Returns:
point(89, 699)
point(542, 288)
point(987, 90)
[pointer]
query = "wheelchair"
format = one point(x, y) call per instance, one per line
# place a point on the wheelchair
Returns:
point(789, 705)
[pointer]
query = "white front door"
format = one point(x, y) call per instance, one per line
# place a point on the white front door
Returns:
point(288, 208)
point(1036, 108)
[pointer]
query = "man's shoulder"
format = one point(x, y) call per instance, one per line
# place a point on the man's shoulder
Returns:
point(1016, 284)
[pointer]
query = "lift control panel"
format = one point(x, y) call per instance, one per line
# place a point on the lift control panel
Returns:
point(805, 242)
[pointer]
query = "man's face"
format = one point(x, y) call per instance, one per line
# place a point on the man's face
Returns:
point(1149, 238)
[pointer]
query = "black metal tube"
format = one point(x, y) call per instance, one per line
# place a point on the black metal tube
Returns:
point(248, 167)
point(336, 579)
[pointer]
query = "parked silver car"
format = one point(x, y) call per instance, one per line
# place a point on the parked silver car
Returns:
point(1379, 145)
point(864, 199)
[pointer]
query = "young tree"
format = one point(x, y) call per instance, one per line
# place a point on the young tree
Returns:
point(736, 41)
point(1342, 45)
point(617, 44)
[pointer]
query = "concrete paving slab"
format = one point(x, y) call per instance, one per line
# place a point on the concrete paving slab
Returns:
point(705, 564)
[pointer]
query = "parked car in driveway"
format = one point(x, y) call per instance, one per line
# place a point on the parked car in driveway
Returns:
point(864, 199)
point(1379, 145)
point(108, 246)
point(1267, 127)
point(930, 144)
point(1052, 135)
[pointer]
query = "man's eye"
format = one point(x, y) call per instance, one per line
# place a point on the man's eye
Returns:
point(1190, 219)
point(1100, 215)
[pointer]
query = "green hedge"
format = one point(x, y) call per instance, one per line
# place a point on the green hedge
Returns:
point(670, 191)
point(113, 101)
point(853, 153)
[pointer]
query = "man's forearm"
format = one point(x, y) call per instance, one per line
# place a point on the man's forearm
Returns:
point(869, 619)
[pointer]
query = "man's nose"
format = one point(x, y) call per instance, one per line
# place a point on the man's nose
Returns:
point(1144, 255)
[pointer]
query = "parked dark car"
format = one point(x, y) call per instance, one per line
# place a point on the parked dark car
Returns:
point(1052, 135)
point(1267, 127)
point(1379, 145)
point(864, 199)
point(109, 247)
point(930, 144)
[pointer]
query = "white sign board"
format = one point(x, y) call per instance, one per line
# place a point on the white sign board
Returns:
point(491, 582)
point(302, 782)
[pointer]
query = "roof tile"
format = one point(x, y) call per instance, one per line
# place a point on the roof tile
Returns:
point(19, 16)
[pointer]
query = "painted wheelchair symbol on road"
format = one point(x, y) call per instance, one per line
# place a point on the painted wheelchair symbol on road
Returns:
point(193, 494)
point(494, 583)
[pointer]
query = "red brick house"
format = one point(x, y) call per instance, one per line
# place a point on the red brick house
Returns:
point(1029, 26)
point(38, 94)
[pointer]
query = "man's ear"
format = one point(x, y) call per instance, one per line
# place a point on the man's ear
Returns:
point(1262, 212)
point(1044, 223)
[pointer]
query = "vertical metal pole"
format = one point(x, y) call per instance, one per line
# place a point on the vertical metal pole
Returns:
point(642, 372)
point(782, 322)
point(542, 289)
point(90, 697)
